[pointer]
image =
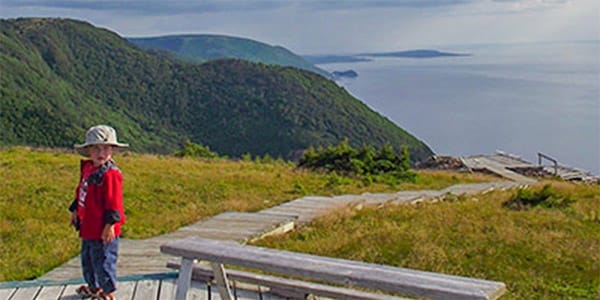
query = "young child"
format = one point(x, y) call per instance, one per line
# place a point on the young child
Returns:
point(97, 212)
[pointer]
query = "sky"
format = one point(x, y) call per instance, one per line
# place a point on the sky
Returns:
point(335, 26)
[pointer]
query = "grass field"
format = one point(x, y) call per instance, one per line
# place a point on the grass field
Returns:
point(161, 194)
point(550, 251)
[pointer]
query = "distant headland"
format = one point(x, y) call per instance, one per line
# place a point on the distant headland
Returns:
point(419, 53)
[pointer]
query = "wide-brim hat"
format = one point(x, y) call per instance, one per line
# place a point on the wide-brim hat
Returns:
point(99, 135)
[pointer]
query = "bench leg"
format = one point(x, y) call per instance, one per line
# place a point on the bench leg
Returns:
point(222, 283)
point(185, 276)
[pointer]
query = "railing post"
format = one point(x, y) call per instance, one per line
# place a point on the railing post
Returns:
point(541, 155)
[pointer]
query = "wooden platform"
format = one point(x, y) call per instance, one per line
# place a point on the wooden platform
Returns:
point(500, 165)
point(503, 165)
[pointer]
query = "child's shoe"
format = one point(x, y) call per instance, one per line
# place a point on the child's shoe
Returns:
point(103, 296)
point(87, 292)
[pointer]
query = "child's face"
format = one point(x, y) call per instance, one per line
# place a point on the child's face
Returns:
point(100, 154)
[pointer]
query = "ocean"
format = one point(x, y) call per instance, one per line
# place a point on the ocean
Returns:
point(521, 99)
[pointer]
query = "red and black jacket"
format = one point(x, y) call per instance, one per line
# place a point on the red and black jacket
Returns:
point(98, 199)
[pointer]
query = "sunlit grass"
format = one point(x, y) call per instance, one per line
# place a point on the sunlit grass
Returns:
point(540, 253)
point(161, 194)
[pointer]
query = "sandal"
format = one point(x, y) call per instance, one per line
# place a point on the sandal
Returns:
point(87, 292)
point(103, 296)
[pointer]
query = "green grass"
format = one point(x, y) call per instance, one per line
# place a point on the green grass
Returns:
point(161, 194)
point(540, 252)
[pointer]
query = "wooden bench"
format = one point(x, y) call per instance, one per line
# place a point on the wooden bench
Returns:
point(285, 288)
point(337, 271)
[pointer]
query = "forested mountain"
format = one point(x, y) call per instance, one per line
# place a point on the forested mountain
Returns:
point(204, 47)
point(58, 77)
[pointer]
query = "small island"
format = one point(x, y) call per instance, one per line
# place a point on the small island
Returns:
point(344, 74)
point(332, 59)
point(365, 57)
point(420, 53)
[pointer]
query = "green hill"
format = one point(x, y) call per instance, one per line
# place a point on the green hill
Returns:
point(204, 47)
point(58, 77)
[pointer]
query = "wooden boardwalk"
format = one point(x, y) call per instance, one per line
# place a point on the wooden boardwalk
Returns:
point(137, 257)
point(147, 287)
point(143, 257)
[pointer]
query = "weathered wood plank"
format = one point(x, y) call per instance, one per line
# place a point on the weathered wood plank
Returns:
point(287, 287)
point(146, 290)
point(167, 289)
point(49, 292)
point(27, 293)
point(246, 295)
point(125, 290)
point(379, 277)
point(247, 217)
point(6, 293)
point(69, 293)
point(199, 291)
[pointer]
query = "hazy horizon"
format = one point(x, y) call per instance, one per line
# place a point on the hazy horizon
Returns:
point(323, 27)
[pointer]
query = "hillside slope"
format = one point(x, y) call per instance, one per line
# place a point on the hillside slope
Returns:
point(204, 47)
point(61, 76)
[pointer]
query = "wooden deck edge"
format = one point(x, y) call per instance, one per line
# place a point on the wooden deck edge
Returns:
point(34, 283)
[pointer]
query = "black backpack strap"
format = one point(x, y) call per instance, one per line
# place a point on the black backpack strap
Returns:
point(96, 177)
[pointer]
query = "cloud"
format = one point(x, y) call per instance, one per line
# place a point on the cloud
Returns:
point(147, 7)
point(335, 26)
point(161, 7)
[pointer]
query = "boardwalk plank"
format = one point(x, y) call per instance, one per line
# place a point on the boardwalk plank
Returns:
point(6, 293)
point(199, 291)
point(68, 292)
point(146, 289)
point(167, 289)
point(27, 293)
point(246, 295)
point(50, 292)
point(125, 290)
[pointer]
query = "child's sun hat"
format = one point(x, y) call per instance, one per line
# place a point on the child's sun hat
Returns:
point(99, 135)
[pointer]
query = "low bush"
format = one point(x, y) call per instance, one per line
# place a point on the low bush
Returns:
point(383, 165)
point(545, 197)
point(191, 149)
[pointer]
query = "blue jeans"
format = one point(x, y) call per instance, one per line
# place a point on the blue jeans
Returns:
point(99, 264)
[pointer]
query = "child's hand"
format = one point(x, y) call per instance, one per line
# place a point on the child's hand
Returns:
point(74, 219)
point(108, 234)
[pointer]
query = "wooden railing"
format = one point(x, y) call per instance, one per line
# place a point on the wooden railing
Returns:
point(381, 278)
point(541, 156)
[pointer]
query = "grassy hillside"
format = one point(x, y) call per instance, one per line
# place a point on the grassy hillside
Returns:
point(204, 47)
point(60, 77)
point(546, 252)
point(161, 194)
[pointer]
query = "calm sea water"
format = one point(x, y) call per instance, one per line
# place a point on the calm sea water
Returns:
point(522, 99)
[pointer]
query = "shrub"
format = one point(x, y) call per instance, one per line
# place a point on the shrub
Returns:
point(191, 149)
point(366, 163)
point(546, 197)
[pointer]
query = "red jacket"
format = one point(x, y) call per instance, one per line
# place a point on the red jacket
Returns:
point(99, 204)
